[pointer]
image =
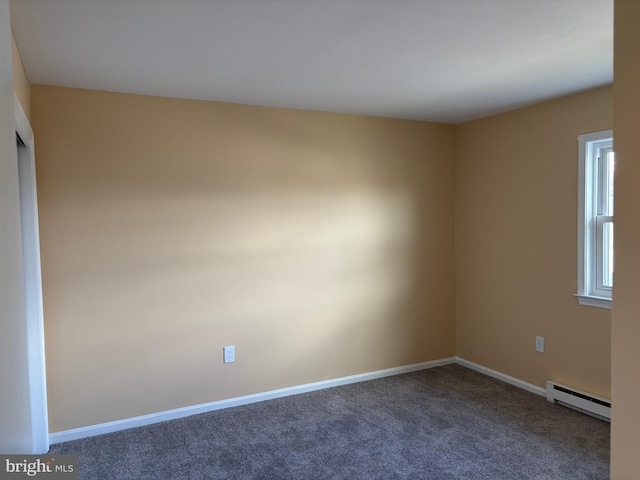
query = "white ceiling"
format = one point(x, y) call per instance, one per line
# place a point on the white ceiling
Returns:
point(439, 60)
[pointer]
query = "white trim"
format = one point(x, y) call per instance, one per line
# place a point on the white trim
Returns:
point(109, 427)
point(590, 301)
point(529, 387)
point(583, 194)
point(23, 127)
point(32, 282)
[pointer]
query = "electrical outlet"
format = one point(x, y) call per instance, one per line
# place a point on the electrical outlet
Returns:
point(229, 354)
point(540, 344)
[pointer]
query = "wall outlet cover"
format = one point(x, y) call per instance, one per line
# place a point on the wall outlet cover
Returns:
point(229, 354)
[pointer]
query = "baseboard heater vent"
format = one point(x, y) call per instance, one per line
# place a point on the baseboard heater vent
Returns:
point(583, 402)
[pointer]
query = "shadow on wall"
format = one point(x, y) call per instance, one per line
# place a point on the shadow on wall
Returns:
point(319, 244)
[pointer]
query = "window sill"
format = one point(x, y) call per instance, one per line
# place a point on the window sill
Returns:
point(591, 301)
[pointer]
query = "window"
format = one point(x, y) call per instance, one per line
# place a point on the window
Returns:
point(595, 219)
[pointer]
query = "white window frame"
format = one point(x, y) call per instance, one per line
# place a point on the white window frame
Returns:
point(591, 148)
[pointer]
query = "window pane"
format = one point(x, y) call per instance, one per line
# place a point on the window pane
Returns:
point(608, 255)
point(610, 167)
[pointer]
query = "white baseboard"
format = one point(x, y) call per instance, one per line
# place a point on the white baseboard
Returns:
point(501, 376)
point(109, 427)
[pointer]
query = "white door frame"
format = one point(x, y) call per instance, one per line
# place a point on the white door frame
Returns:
point(32, 283)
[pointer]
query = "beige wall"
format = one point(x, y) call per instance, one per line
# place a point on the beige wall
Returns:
point(20, 80)
point(625, 429)
point(320, 245)
point(516, 230)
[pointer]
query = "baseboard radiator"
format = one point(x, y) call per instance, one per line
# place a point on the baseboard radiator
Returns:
point(583, 402)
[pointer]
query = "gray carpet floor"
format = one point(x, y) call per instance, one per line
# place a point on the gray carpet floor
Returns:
point(443, 423)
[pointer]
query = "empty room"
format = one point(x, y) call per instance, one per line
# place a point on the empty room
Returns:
point(319, 239)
